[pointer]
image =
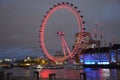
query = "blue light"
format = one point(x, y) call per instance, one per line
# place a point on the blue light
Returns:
point(103, 63)
point(100, 58)
point(89, 63)
point(113, 56)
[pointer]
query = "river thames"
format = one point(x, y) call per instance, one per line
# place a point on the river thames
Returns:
point(64, 74)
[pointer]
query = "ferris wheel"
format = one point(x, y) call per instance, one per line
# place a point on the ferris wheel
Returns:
point(64, 44)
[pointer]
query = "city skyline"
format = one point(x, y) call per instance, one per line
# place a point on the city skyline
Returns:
point(21, 19)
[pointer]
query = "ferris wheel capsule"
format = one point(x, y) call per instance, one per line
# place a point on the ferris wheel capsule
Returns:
point(63, 2)
point(71, 4)
point(81, 16)
point(67, 2)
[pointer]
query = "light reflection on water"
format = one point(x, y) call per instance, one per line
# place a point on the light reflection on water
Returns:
point(98, 74)
point(61, 73)
point(102, 74)
point(91, 74)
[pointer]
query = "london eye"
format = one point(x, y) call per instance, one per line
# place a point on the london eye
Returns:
point(67, 52)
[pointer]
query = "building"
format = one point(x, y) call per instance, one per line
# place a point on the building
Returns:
point(93, 54)
point(101, 56)
point(86, 40)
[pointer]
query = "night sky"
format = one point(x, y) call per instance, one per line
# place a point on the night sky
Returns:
point(20, 21)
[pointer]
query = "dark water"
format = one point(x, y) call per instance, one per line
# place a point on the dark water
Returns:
point(91, 74)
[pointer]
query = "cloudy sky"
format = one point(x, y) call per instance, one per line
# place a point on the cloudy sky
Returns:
point(20, 21)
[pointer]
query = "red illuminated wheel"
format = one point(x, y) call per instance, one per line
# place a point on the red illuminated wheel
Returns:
point(72, 52)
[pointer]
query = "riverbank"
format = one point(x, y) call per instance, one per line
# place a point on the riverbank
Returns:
point(110, 66)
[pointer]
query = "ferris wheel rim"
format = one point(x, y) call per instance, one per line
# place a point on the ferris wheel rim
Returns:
point(46, 18)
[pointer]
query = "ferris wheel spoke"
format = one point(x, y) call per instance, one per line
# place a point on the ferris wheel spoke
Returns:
point(65, 43)
point(63, 47)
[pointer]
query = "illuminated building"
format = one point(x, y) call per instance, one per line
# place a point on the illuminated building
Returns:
point(93, 54)
point(8, 60)
point(1, 60)
point(115, 53)
point(101, 56)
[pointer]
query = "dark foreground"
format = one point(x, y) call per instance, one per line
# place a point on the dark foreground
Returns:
point(61, 74)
